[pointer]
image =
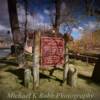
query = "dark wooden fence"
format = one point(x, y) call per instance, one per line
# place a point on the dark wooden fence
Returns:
point(83, 57)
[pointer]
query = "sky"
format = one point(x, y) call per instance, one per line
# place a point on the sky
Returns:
point(39, 16)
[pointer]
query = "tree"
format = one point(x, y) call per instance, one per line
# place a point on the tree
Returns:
point(96, 39)
point(19, 39)
point(90, 9)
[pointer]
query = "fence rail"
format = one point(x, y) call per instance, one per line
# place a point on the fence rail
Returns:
point(86, 58)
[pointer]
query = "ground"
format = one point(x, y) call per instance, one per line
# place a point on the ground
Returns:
point(12, 85)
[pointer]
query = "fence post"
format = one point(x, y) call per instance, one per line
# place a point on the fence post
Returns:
point(66, 66)
point(87, 60)
point(36, 59)
point(72, 77)
point(28, 80)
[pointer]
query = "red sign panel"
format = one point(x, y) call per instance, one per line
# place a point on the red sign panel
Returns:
point(52, 51)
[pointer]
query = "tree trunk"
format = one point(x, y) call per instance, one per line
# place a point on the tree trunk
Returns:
point(17, 37)
point(19, 41)
point(13, 15)
point(96, 72)
point(57, 15)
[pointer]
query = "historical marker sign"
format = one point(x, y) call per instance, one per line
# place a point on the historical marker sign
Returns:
point(52, 50)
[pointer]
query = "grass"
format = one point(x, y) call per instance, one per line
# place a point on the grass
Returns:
point(11, 81)
point(80, 63)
